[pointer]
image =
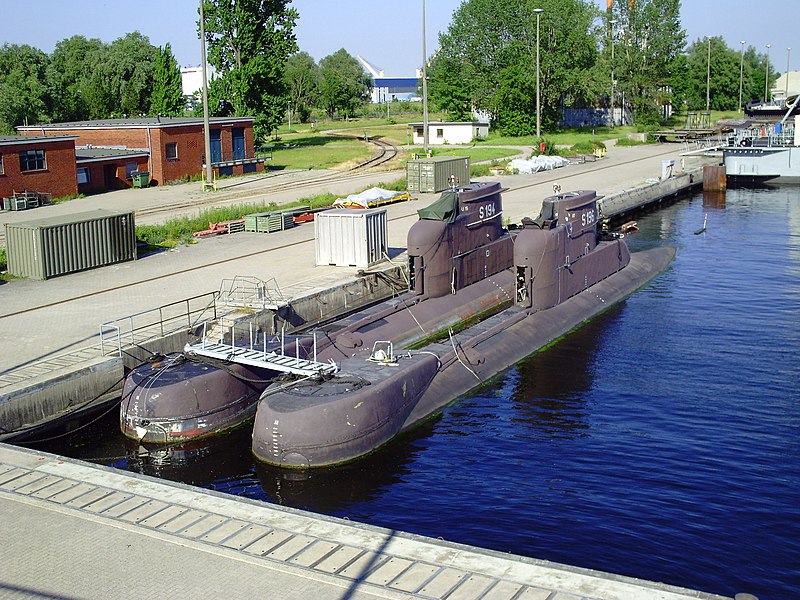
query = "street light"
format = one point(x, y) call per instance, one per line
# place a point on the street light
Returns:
point(612, 22)
point(708, 78)
point(538, 12)
point(741, 73)
point(788, 54)
point(425, 136)
point(766, 75)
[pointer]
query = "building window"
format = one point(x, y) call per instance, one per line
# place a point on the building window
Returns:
point(440, 133)
point(172, 151)
point(83, 175)
point(1, 164)
point(130, 167)
point(419, 131)
point(32, 160)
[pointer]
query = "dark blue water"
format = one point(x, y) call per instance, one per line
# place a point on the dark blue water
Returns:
point(660, 441)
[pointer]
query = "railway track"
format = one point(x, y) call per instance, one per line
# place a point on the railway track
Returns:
point(386, 151)
point(556, 176)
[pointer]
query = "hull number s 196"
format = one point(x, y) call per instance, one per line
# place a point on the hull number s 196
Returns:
point(588, 218)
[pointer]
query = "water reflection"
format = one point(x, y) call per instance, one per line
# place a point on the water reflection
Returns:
point(337, 490)
point(549, 393)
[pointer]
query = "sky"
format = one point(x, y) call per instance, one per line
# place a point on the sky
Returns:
point(387, 33)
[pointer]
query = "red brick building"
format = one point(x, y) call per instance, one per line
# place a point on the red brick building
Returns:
point(38, 164)
point(175, 145)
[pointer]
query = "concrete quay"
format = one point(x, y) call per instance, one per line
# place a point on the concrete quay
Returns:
point(75, 530)
point(51, 358)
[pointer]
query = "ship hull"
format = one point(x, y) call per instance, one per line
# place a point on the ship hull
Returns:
point(171, 399)
point(291, 431)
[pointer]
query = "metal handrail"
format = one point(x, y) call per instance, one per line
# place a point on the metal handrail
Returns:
point(127, 327)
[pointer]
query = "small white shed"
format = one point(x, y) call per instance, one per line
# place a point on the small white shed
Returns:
point(448, 133)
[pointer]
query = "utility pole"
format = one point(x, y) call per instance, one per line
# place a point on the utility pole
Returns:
point(708, 78)
point(741, 74)
point(538, 12)
point(766, 76)
point(424, 85)
point(209, 180)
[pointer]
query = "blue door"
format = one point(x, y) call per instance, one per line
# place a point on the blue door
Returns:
point(216, 146)
point(238, 143)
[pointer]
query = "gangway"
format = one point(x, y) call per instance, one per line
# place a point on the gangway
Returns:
point(262, 358)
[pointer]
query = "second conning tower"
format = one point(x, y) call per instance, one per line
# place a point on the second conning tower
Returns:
point(458, 240)
point(558, 255)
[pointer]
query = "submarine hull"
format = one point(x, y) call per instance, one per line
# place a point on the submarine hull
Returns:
point(365, 405)
point(172, 399)
point(328, 422)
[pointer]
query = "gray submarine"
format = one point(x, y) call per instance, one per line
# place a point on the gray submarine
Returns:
point(480, 298)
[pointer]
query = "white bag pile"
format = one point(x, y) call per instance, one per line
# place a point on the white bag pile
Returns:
point(537, 163)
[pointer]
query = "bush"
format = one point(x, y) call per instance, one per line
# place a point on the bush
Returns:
point(549, 147)
point(3, 260)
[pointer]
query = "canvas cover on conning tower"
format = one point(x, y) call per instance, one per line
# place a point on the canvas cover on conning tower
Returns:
point(444, 209)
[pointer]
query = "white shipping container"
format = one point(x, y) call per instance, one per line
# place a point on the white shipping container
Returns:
point(351, 237)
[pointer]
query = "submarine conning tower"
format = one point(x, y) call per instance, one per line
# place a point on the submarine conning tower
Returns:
point(557, 255)
point(458, 240)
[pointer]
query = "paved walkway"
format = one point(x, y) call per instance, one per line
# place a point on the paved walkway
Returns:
point(74, 530)
point(42, 318)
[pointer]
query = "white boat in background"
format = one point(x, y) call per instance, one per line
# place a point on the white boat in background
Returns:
point(765, 153)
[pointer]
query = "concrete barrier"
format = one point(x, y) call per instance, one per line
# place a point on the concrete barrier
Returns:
point(616, 205)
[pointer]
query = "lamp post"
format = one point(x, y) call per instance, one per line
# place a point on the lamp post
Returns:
point(788, 55)
point(708, 78)
point(425, 138)
point(289, 114)
point(208, 183)
point(538, 12)
point(612, 22)
point(741, 73)
point(766, 75)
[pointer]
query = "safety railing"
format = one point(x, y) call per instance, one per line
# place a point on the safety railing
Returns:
point(157, 322)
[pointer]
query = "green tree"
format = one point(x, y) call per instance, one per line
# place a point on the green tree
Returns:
point(722, 85)
point(167, 95)
point(648, 42)
point(344, 85)
point(249, 42)
point(119, 77)
point(302, 81)
point(24, 97)
point(68, 74)
point(490, 47)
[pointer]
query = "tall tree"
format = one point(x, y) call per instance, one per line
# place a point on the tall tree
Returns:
point(722, 86)
point(167, 95)
point(648, 41)
point(344, 84)
point(69, 74)
point(24, 97)
point(302, 80)
point(248, 44)
point(487, 59)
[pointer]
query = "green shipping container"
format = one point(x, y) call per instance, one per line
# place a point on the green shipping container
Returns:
point(432, 175)
point(45, 248)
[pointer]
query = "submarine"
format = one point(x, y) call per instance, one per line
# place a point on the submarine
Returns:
point(480, 298)
point(180, 397)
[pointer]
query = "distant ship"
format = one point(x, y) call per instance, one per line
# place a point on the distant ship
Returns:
point(772, 109)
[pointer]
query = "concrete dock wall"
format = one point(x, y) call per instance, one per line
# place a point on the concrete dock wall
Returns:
point(52, 397)
point(617, 205)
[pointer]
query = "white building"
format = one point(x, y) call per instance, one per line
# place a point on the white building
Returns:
point(449, 133)
point(192, 78)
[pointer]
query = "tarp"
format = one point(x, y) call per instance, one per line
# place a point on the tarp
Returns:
point(363, 199)
point(444, 209)
point(538, 163)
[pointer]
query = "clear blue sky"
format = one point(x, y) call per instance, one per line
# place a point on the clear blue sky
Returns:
point(385, 32)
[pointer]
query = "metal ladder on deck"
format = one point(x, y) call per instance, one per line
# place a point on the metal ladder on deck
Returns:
point(252, 356)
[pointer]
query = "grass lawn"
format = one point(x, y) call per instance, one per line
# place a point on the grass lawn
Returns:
point(317, 152)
